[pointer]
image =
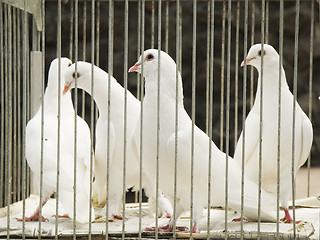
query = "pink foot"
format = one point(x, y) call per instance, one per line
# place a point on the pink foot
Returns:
point(35, 215)
point(287, 218)
point(166, 228)
point(239, 219)
point(195, 229)
point(33, 218)
point(63, 216)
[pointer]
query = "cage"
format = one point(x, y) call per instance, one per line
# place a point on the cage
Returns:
point(207, 39)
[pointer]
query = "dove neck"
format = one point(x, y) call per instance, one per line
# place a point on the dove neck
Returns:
point(270, 80)
point(99, 93)
point(167, 87)
point(51, 95)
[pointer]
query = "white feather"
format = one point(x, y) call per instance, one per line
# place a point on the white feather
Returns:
point(303, 128)
point(117, 139)
point(167, 153)
point(66, 154)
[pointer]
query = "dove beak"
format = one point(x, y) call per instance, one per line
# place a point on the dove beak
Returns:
point(135, 68)
point(248, 60)
point(66, 88)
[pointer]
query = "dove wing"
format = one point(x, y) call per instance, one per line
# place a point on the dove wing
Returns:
point(307, 136)
point(251, 138)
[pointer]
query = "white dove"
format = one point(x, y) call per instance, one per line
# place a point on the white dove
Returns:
point(303, 129)
point(117, 97)
point(167, 139)
point(50, 143)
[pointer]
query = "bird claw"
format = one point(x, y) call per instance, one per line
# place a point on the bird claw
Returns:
point(288, 220)
point(32, 219)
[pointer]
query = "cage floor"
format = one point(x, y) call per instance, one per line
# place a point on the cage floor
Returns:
point(308, 228)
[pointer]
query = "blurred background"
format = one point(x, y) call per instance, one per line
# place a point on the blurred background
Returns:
point(100, 51)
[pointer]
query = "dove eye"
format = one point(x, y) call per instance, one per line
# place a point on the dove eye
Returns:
point(264, 52)
point(69, 64)
point(74, 75)
point(149, 57)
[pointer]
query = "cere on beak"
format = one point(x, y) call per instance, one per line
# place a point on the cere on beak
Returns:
point(248, 60)
point(66, 88)
point(134, 67)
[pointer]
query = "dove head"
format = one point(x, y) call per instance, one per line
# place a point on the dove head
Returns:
point(168, 71)
point(53, 71)
point(150, 59)
point(82, 75)
point(270, 56)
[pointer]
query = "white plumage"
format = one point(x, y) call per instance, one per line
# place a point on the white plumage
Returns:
point(117, 98)
point(201, 149)
point(50, 144)
point(303, 132)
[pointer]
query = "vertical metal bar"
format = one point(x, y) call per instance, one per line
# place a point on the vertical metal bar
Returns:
point(208, 69)
point(71, 30)
point(138, 75)
point(222, 75)
point(267, 22)
point(92, 114)
point(59, 116)
point(279, 111)
point(9, 123)
point(158, 118)
point(180, 36)
point(28, 100)
point(24, 115)
point(110, 70)
point(244, 109)
point(263, 5)
point(167, 28)
point(84, 43)
point(42, 117)
point(310, 85)
point(98, 39)
point(125, 83)
point(76, 40)
point(228, 112)
point(193, 105)
point(6, 103)
point(295, 80)
point(2, 204)
point(236, 77)
point(15, 119)
point(210, 95)
point(152, 23)
point(97, 49)
point(139, 52)
point(19, 103)
point(253, 21)
point(142, 32)
point(176, 115)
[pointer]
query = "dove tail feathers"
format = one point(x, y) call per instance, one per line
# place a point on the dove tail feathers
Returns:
point(82, 206)
point(268, 206)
